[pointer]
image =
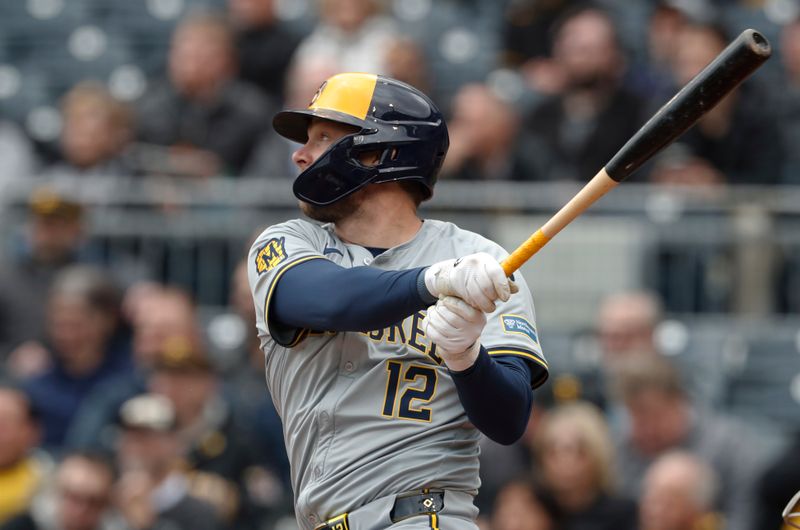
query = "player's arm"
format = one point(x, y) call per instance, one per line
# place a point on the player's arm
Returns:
point(496, 391)
point(319, 294)
point(497, 395)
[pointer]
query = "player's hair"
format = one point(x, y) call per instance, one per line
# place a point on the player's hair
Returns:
point(644, 373)
point(591, 426)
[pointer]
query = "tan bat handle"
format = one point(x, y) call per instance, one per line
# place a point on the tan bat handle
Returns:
point(594, 189)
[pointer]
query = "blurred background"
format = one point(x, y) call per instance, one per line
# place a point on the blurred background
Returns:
point(137, 163)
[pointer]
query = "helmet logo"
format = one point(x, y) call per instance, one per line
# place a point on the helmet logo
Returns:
point(318, 93)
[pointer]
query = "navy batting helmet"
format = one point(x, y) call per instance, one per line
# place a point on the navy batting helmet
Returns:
point(395, 119)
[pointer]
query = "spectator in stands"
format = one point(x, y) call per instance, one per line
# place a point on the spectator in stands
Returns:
point(483, 131)
point(626, 325)
point(406, 61)
point(678, 494)
point(248, 389)
point(52, 240)
point(209, 121)
point(79, 500)
point(652, 79)
point(736, 142)
point(578, 131)
point(17, 157)
point(21, 471)
point(777, 485)
point(661, 418)
point(162, 318)
point(96, 130)
point(352, 36)
point(152, 491)
point(527, 43)
point(264, 45)
point(788, 101)
point(218, 451)
point(625, 329)
point(575, 458)
point(165, 316)
point(501, 465)
point(519, 506)
point(82, 326)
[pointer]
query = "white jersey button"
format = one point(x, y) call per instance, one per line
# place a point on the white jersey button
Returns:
point(312, 519)
point(349, 366)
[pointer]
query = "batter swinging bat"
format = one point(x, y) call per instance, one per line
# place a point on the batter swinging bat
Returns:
point(732, 66)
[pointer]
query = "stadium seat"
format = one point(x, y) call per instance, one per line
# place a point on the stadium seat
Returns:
point(764, 377)
point(21, 89)
point(88, 52)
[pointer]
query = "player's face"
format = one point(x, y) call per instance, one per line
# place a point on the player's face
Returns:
point(321, 135)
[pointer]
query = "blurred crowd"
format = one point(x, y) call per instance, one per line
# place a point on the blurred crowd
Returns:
point(535, 90)
point(117, 413)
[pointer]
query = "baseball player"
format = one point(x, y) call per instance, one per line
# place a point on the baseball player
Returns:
point(391, 342)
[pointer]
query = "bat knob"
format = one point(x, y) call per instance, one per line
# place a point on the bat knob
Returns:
point(758, 42)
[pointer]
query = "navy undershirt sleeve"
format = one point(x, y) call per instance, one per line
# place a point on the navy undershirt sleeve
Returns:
point(321, 295)
point(496, 394)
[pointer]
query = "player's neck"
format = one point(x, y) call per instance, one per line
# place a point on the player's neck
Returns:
point(385, 220)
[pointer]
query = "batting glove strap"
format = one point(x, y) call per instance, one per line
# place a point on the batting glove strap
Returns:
point(424, 293)
point(478, 279)
point(455, 327)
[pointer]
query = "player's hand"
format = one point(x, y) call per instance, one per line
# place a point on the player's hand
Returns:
point(455, 327)
point(478, 279)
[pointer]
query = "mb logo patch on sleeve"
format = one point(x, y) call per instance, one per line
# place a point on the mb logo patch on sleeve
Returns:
point(270, 255)
point(519, 325)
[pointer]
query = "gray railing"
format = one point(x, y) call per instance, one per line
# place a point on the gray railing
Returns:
point(733, 250)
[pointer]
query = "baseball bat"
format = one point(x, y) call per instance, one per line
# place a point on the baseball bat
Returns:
point(732, 66)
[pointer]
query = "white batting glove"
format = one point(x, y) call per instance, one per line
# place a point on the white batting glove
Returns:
point(478, 279)
point(455, 327)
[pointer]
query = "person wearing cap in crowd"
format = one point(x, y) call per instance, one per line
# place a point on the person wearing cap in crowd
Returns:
point(219, 457)
point(52, 240)
point(22, 470)
point(80, 499)
point(152, 492)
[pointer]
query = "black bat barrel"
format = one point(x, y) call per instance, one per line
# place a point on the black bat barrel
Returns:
point(732, 66)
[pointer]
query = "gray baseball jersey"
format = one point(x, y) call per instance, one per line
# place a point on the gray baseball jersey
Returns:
point(372, 413)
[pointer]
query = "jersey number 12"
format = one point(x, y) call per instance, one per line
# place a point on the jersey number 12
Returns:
point(422, 393)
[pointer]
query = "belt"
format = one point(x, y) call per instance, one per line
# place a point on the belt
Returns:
point(405, 505)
